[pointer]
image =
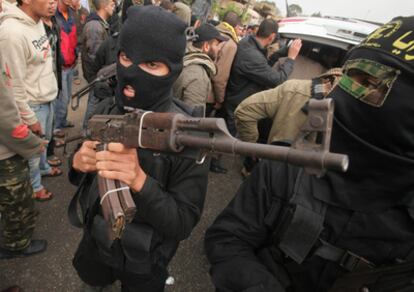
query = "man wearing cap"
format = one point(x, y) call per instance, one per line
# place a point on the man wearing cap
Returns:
point(252, 71)
point(168, 190)
point(286, 230)
point(194, 84)
point(228, 27)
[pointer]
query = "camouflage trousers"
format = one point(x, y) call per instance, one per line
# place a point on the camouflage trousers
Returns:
point(16, 203)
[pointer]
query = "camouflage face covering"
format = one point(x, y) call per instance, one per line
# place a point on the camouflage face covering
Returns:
point(374, 93)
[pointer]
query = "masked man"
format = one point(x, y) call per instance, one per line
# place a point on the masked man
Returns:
point(168, 190)
point(288, 231)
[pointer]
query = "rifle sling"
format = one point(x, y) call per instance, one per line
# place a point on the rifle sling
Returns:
point(344, 258)
point(299, 237)
point(306, 224)
point(73, 205)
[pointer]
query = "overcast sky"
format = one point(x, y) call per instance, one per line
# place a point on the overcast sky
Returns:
point(374, 10)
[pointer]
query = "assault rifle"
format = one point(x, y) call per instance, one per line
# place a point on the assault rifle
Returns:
point(104, 74)
point(183, 135)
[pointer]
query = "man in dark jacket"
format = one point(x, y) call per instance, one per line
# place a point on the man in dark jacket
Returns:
point(53, 33)
point(288, 231)
point(168, 190)
point(252, 72)
point(95, 32)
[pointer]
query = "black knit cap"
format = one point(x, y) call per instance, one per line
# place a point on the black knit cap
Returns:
point(207, 32)
point(151, 33)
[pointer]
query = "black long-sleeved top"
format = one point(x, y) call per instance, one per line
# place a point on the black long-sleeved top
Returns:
point(168, 208)
point(53, 33)
point(236, 240)
point(251, 72)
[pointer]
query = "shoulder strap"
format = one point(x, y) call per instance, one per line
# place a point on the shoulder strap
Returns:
point(73, 205)
point(301, 225)
point(306, 223)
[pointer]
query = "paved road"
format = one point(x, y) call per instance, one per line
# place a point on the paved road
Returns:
point(52, 270)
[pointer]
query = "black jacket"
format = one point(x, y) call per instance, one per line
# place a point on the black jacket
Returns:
point(251, 72)
point(168, 208)
point(238, 242)
point(53, 33)
point(106, 55)
point(95, 32)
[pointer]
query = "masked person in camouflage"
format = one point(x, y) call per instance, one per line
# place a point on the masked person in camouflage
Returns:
point(168, 190)
point(17, 144)
point(288, 231)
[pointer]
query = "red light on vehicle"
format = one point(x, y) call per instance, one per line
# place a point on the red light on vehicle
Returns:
point(287, 20)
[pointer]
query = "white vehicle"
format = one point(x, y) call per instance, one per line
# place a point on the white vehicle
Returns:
point(332, 31)
point(321, 34)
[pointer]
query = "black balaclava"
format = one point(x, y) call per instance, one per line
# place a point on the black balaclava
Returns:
point(376, 127)
point(150, 34)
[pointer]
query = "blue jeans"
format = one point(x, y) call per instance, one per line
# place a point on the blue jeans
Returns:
point(38, 165)
point(90, 108)
point(61, 106)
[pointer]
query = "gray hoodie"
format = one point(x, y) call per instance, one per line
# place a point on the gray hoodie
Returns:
point(26, 61)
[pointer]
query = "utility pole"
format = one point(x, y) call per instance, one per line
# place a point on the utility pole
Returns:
point(246, 7)
point(287, 9)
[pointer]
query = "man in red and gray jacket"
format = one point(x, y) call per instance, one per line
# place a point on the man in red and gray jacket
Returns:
point(65, 17)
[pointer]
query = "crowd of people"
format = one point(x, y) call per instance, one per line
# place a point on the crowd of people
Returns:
point(285, 230)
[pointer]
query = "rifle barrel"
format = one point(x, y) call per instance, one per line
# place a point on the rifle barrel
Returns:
point(293, 156)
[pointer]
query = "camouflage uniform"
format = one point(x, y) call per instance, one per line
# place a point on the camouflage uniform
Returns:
point(16, 203)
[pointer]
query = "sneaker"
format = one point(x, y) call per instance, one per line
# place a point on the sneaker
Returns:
point(35, 247)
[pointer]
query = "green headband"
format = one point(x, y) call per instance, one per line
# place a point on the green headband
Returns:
point(372, 96)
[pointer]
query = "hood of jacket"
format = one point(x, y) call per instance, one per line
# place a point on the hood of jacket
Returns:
point(195, 56)
point(94, 16)
point(14, 12)
point(228, 30)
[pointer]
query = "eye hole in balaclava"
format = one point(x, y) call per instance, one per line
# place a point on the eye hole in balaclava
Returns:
point(368, 81)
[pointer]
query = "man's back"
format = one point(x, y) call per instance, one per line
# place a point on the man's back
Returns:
point(95, 31)
point(252, 73)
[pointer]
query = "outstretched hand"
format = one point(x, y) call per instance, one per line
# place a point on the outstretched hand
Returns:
point(294, 49)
